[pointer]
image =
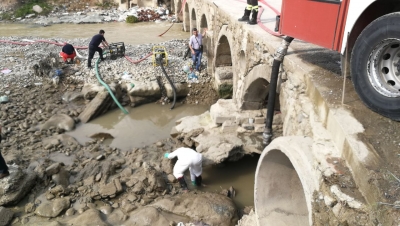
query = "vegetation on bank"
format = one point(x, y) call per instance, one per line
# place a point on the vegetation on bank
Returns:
point(132, 19)
point(24, 8)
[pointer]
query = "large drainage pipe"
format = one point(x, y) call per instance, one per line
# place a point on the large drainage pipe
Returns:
point(285, 181)
point(278, 58)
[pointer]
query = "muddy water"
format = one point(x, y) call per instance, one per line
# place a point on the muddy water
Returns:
point(148, 123)
point(239, 175)
point(143, 125)
point(133, 34)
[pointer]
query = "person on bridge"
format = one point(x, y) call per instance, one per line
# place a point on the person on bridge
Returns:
point(196, 47)
point(3, 166)
point(252, 7)
point(187, 158)
point(68, 53)
point(94, 46)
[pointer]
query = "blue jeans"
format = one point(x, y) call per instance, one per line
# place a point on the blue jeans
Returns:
point(196, 57)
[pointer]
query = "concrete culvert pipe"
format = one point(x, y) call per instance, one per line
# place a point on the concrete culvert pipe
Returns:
point(284, 183)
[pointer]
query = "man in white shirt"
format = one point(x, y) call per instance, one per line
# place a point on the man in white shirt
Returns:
point(196, 47)
point(187, 158)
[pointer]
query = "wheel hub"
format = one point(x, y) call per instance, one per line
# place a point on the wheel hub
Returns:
point(384, 68)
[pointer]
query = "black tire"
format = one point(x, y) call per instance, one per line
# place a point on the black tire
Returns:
point(377, 83)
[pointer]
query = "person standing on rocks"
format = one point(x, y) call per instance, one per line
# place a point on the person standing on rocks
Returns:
point(252, 7)
point(3, 166)
point(187, 158)
point(68, 52)
point(94, 46)
point(196, 47)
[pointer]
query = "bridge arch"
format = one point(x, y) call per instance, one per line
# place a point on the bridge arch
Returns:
point(222, 63)
point(203, 22)
point(193, 19)
point(178, 9)
point(285, 182)
point(255, 88)
point(223, 53)
point(186, 20)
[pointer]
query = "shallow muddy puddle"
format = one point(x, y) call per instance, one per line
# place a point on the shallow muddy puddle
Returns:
point(143, 125)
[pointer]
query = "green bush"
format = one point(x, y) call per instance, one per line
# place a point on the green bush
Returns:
point(27, 8)
point(132, 19)
point(108, 4)
point(225, 91)
point(5, 16)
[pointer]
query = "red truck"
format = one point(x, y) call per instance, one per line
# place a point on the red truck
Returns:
point(370, 29)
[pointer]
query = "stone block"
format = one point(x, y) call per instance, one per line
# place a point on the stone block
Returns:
point(118, 185)
point(259, 120)
point(182, 90)
point(108, 190)
point(53, 169)
point(259, 128)
point(222, 119)
point(228, 126)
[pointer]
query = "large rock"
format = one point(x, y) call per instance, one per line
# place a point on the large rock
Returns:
point(181, 90)
point(60, 121)
point(218, 144)
point(54, 208)
point(90, 91)
point(64, 139)
point(152, 216)
point(100, 104)
point(37, 8)
point(5, 216)
point(211, 208)
point(14, 187)
point(73, 97)
point(145, 89)
point(89, 217)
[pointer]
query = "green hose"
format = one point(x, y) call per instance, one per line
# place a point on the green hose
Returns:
point(107, 87)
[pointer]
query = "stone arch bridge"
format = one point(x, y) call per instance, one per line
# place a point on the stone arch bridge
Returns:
point(320, 171)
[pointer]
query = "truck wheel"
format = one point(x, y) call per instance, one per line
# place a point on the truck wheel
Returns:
point(375, 66)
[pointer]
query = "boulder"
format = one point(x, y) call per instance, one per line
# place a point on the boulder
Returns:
point(14, 187)
point(90, 91)
point(54, 208)
point(211, 208)
point(37, 8)
point(89, 217)
point(182, 90)
point(5, 216)
point(145, 89)
point(60, 121)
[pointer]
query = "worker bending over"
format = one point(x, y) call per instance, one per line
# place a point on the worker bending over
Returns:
point(252, 7)
point(68, 53)
point(187, 158)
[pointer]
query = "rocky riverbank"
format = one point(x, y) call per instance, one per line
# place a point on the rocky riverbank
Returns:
point(93, 183)
point(67, 13)
point(99, 184)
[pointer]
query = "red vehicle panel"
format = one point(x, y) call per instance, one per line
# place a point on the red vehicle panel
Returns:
point(313, 21)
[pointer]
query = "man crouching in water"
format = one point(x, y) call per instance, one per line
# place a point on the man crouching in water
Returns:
point(187, 158)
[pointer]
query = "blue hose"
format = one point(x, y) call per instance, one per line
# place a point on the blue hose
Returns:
point(108, 88)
